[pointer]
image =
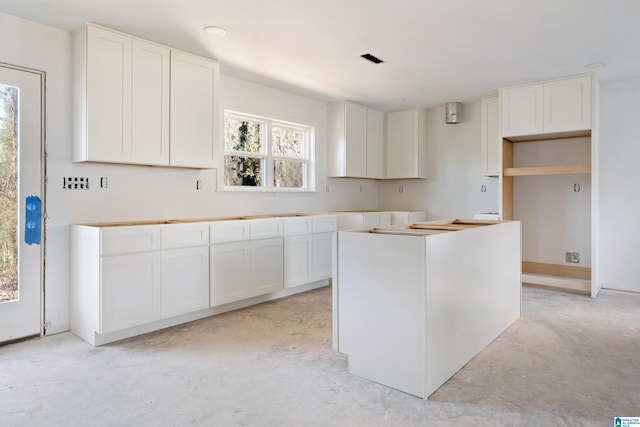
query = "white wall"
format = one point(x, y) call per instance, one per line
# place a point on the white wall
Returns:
point(454, 171)
point(619, 192)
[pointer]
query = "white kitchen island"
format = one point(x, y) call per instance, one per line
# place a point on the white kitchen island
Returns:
point(414, 305)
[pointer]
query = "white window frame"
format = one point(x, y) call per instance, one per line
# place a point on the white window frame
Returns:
point(267, 171)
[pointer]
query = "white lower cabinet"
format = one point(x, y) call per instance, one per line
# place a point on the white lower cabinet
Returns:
point(130, 290)
point(129, 279)
point(230, 272)
point(322, 260)
point(308, 254)
point(266, 266)
point(185, 280)
point(246, 269)
point(298, 260)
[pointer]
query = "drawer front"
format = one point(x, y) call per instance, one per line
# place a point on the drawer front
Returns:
point(185, 235)
point(229, 231)
point(266, 228)
point(129, 239)
point(324, 223)
point(349, 221)
point(298, 226)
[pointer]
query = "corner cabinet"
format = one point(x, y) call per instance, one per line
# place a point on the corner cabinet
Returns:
point(406, 144)
point(556, 106)
point(356, 141)
point(129, 91)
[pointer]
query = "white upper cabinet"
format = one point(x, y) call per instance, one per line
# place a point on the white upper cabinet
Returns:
point(375, 143)
point(194, 110)
point(522, 110)
point(556, 106)
point(406, 144)
point(356, 141)
point(567, 105)
point(138, 102)
point(490, 136)
point(122, 99)
point(103, 104)
point(150, 103)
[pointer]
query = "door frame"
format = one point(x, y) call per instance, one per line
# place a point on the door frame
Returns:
point(43, 191)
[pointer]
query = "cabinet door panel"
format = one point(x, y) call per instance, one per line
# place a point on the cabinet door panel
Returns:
point(185, 280)
point(150, 104)
point(230, 272)
point(567, 105)
point(522, 108)
point(356, 142)
point(298, 252)
point(322, 256)
point(108, 96)
point(375, 143)
point(266, 266)
point(406, 144)
point(130, 290)
point(194, 94)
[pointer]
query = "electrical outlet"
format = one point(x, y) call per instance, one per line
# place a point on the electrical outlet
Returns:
point(198, 184)
point(400, 189)
point(573, 257)
point(75, 183)
point(104, 182)
point(361, 189)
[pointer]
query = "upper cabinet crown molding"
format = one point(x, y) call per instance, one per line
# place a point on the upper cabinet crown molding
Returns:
point(556, 106)
point(133, 106)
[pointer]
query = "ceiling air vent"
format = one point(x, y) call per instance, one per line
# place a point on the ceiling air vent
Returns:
point(371, 58)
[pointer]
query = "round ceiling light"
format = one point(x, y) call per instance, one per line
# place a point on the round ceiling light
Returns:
point(215, 31)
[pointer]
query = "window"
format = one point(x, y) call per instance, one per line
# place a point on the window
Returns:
point(266, 153)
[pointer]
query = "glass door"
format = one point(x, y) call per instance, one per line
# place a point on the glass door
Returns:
point(21, 206)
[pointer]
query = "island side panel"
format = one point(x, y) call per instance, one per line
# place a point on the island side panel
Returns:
point(381, 308)
point(473, 292)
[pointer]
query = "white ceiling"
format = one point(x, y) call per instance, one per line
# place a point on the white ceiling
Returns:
point(434, 51)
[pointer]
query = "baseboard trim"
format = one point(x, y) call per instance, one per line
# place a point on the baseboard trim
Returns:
point(577, 285)
point(558, 270)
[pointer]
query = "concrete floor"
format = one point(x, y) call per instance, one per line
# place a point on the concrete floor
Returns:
point(569, 361)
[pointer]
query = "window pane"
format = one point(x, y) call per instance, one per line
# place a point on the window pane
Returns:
point(288, 142)
point(242, 135)
point(288, 174)
point(242, 171)
point(9, 290)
